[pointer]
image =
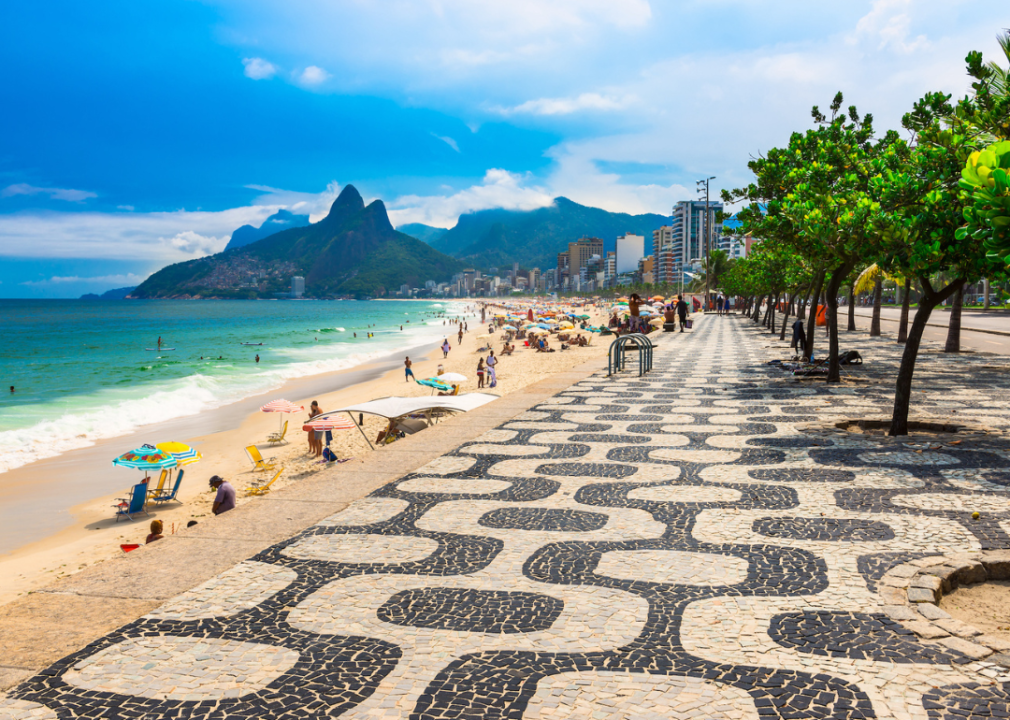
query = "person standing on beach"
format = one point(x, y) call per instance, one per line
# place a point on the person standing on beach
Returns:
point(634, 304)
point(313, 411)
point(681, 311)
point(492, 361)
point(446, 347)
point(480, 372)
point(460, 336)
point(408, 373)
point(159, 342)
point(225, 498)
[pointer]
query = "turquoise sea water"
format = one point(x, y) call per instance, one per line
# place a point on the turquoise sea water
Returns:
point(82, 370)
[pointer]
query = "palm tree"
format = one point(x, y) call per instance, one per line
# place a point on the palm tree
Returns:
point(718, 262)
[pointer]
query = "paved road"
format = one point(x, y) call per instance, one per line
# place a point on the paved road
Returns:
point(671, 546)
point(937, 330)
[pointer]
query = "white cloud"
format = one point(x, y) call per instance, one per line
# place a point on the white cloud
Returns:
point(194, 244)
point(448, 141)
point(889, 21)
point(54, 193)
point(258, 68)
point(566, 106)
point(118, 280)
point(499, 189)
point(313, 75)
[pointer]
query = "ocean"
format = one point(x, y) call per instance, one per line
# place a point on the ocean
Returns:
point(87, 370)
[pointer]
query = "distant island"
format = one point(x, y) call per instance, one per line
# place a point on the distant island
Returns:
point(117, 294)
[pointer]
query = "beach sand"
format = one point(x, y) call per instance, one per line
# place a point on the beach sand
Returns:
point(95, 535)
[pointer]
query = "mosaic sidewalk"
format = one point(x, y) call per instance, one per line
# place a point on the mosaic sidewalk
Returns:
point(633, 548)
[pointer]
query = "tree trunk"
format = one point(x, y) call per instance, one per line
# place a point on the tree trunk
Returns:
point(985, 293)
point(834, 284)
point(785, 319)
point(852, 308)
point(812, 313)
point(903, 385)
point(878, 289)
point(905, 302)
point(954, 326)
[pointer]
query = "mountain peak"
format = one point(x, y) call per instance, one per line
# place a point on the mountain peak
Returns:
point(348, 202)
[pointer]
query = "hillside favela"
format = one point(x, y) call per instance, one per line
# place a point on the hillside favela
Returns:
point(494, 360)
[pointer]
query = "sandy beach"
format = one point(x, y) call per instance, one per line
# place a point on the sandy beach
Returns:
point(94, 535)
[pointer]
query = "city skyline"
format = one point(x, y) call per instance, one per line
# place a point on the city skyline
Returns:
point(146, 136)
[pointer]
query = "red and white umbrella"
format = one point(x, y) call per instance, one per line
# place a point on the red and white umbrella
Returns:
point(282, 406)
point(337, 422)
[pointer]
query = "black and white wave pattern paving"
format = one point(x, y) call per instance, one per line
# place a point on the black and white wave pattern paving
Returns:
point(659, 547)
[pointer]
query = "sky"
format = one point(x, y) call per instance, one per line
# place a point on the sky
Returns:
point(137, 134)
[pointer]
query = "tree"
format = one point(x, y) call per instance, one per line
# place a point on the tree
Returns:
point(922, 209)
point(713, 268)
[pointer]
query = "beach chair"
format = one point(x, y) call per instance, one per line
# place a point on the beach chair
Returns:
point(165, 496)
point(259, 463)
point(134, 504)
point(161, 485)
point(278, 437)
point(263, 488)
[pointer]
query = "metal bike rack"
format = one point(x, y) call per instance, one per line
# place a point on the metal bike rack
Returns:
point(617, 356)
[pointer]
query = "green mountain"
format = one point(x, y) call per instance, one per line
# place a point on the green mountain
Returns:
point(424, 233)
point(354, 250)
point(280, 220)
point(533, 238)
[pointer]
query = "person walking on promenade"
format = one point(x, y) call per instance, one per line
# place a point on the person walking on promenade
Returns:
point(408, 373)
point(681, 311)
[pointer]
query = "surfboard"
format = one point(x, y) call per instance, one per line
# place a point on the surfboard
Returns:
point(157, 350)
point(254, 344)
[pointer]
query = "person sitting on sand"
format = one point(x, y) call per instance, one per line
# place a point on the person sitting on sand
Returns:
point(225, 498)
point(387, 435)
point(156, 532)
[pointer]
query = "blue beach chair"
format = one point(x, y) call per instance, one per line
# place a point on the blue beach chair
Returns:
point(134, 504)
point(164, 496)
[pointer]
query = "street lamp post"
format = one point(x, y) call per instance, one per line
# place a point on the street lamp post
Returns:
point(708, 237)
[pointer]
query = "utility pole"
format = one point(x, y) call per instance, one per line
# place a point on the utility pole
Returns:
point(708, 237)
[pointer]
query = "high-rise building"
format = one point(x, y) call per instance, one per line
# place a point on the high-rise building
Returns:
point(580, 251)
point(609, 269)
point(646, 270)
point(682, 244)
point(534, 278)
point(297, 286)
point(630, 249)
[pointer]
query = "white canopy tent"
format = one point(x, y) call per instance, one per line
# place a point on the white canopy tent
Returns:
point(429, 407)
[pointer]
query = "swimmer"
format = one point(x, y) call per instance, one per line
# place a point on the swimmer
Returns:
point(257, 358)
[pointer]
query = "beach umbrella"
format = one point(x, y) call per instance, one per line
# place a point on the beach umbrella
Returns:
point(281, 406)
point(566, 326)
point(183, 454)
point(435, 384)
point(657, 322)
point(453, 378)
point(335, 422)
point(147, 457)
point(509, 327)
point(544, 326)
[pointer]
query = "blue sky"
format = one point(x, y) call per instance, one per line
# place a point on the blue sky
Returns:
point(138, 134)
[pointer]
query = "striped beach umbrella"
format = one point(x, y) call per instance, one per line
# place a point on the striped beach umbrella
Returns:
point(183, 454)
point(336, 422)
point(147, 457)
point(282, 406)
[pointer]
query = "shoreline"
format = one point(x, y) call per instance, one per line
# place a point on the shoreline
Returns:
point(85, 533)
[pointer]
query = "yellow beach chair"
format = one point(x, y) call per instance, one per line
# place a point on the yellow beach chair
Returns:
point(263, 488)
point(259, 463)
point(278, 437)
point(156, 491)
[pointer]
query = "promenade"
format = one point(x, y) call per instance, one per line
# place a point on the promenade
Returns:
point(700, 542)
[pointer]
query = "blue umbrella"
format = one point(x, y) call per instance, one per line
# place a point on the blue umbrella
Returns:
point(543, 326)
point(435, 383)
point(146, 458)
